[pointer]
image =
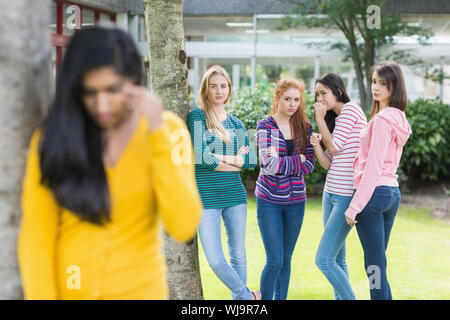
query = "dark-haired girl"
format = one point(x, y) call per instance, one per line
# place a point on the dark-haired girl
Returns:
point(377, 197)
point(100, 173)
point(340, 122)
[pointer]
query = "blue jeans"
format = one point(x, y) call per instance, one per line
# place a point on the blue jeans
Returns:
point(280, 227)
point(330, 256)
point(234, 276)
point(374, 227)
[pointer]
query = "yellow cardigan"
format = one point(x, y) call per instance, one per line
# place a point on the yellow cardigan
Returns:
point(62, 257)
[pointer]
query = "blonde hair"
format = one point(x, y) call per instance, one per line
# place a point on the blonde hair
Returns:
point(212, 121)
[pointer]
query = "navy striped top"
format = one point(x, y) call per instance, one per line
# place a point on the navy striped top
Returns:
point(280, 179)
point(218, 189)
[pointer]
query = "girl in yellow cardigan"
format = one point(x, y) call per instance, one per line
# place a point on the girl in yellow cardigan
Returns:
point(101, 172)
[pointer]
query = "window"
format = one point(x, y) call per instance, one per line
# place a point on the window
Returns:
point(61, 32)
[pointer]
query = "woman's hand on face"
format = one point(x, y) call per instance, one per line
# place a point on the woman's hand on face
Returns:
point(315, 139)
point(140, 99)
point(320, 110)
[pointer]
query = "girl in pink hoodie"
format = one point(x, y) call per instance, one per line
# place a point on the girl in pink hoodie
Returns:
point(377, 196)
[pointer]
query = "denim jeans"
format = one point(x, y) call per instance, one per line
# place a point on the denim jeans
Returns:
point(330, 256)
point(234, 276)
point(374, 227)
point(280, 227)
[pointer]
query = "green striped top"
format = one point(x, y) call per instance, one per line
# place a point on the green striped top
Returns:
point(218, 189)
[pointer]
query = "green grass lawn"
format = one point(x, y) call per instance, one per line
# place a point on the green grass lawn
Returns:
point(418, 258)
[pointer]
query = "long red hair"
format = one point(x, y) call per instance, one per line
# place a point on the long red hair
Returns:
point(299, 120)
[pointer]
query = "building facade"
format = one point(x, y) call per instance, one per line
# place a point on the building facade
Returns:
point(69, 16)
point(242, 36)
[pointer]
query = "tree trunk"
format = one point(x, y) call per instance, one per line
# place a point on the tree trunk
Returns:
point(168, 78)
point(369, 62)
point(348, 29)
point(24, 94)
point(357, 63)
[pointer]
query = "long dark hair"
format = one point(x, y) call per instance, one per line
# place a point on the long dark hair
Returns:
point(337, 87)
point(393, 75)
point(71, 146)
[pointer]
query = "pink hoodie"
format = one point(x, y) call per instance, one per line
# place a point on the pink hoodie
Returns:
point(382, 142)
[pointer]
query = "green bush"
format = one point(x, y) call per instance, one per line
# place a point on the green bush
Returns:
point(426, 153)
point(250, 105)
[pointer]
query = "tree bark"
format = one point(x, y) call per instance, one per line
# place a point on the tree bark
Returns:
point(168, 78)
point(360, 76)
point(24, 95)
point(347, 28)
point(369, 62)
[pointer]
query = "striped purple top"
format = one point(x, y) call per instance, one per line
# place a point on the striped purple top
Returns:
point(280, 180)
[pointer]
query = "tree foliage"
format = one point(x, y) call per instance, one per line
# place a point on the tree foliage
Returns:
point(363, 38)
